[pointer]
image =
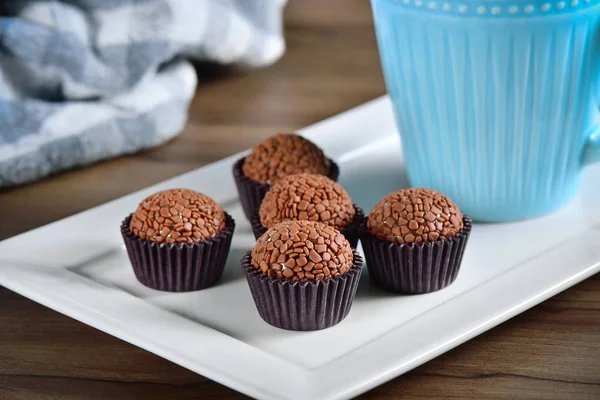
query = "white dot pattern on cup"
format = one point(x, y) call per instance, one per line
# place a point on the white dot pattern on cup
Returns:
point(495, 10)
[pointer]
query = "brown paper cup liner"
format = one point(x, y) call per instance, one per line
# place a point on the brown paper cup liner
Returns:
point(179, 267)
point(417, 267)
point(303, 306)
point(351, 232)
point(252, 193)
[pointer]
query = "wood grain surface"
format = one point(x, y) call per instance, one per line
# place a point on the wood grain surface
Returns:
point(549, 352)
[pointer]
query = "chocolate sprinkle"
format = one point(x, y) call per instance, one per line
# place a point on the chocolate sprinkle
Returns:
point(282, 155)
point(177, 216)
point(302, 251)
point(415, 216)
point(307, 197)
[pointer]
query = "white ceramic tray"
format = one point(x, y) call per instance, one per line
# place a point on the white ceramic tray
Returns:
point(78, 266)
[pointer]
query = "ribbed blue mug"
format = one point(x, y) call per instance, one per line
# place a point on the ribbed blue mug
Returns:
point(496, 102)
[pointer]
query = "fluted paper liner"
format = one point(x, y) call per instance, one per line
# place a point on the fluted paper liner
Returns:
point(178, 267)
point(416, 267)
point(351, 232)
point(303, 306)
point(252, 193)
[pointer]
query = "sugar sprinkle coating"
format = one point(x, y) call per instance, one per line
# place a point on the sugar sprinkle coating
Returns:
point(302, 251)
point(282, 155)
point(415, 216)
point(177, 216)
point(307, 197)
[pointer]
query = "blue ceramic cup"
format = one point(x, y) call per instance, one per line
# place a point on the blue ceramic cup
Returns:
point(496, 101)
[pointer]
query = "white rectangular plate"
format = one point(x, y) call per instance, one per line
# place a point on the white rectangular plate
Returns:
point(78, 267)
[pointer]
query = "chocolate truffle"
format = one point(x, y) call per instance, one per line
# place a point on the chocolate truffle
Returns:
point(415, 216)
point(307, 197)
point(282, 155)
point(302, 251)
point(302, 275)
point(178, 240)
point(414, 241)
point(177, 216)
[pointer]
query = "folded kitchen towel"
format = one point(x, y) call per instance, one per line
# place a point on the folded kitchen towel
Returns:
point(84, 80)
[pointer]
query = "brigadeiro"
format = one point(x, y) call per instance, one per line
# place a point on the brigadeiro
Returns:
point(414, 241)
point(309, 197)
point(277, 157)
point(178, 240)
point(303, 275)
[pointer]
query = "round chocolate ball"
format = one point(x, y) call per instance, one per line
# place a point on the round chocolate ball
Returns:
point(177, 216)
point(307, 197)
point(282, 155)
point(302, 251)
point(415, 216)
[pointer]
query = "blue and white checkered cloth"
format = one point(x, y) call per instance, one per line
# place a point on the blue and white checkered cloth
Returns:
point(85, 80)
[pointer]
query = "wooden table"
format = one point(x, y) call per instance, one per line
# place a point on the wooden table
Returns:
point(549, 352)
